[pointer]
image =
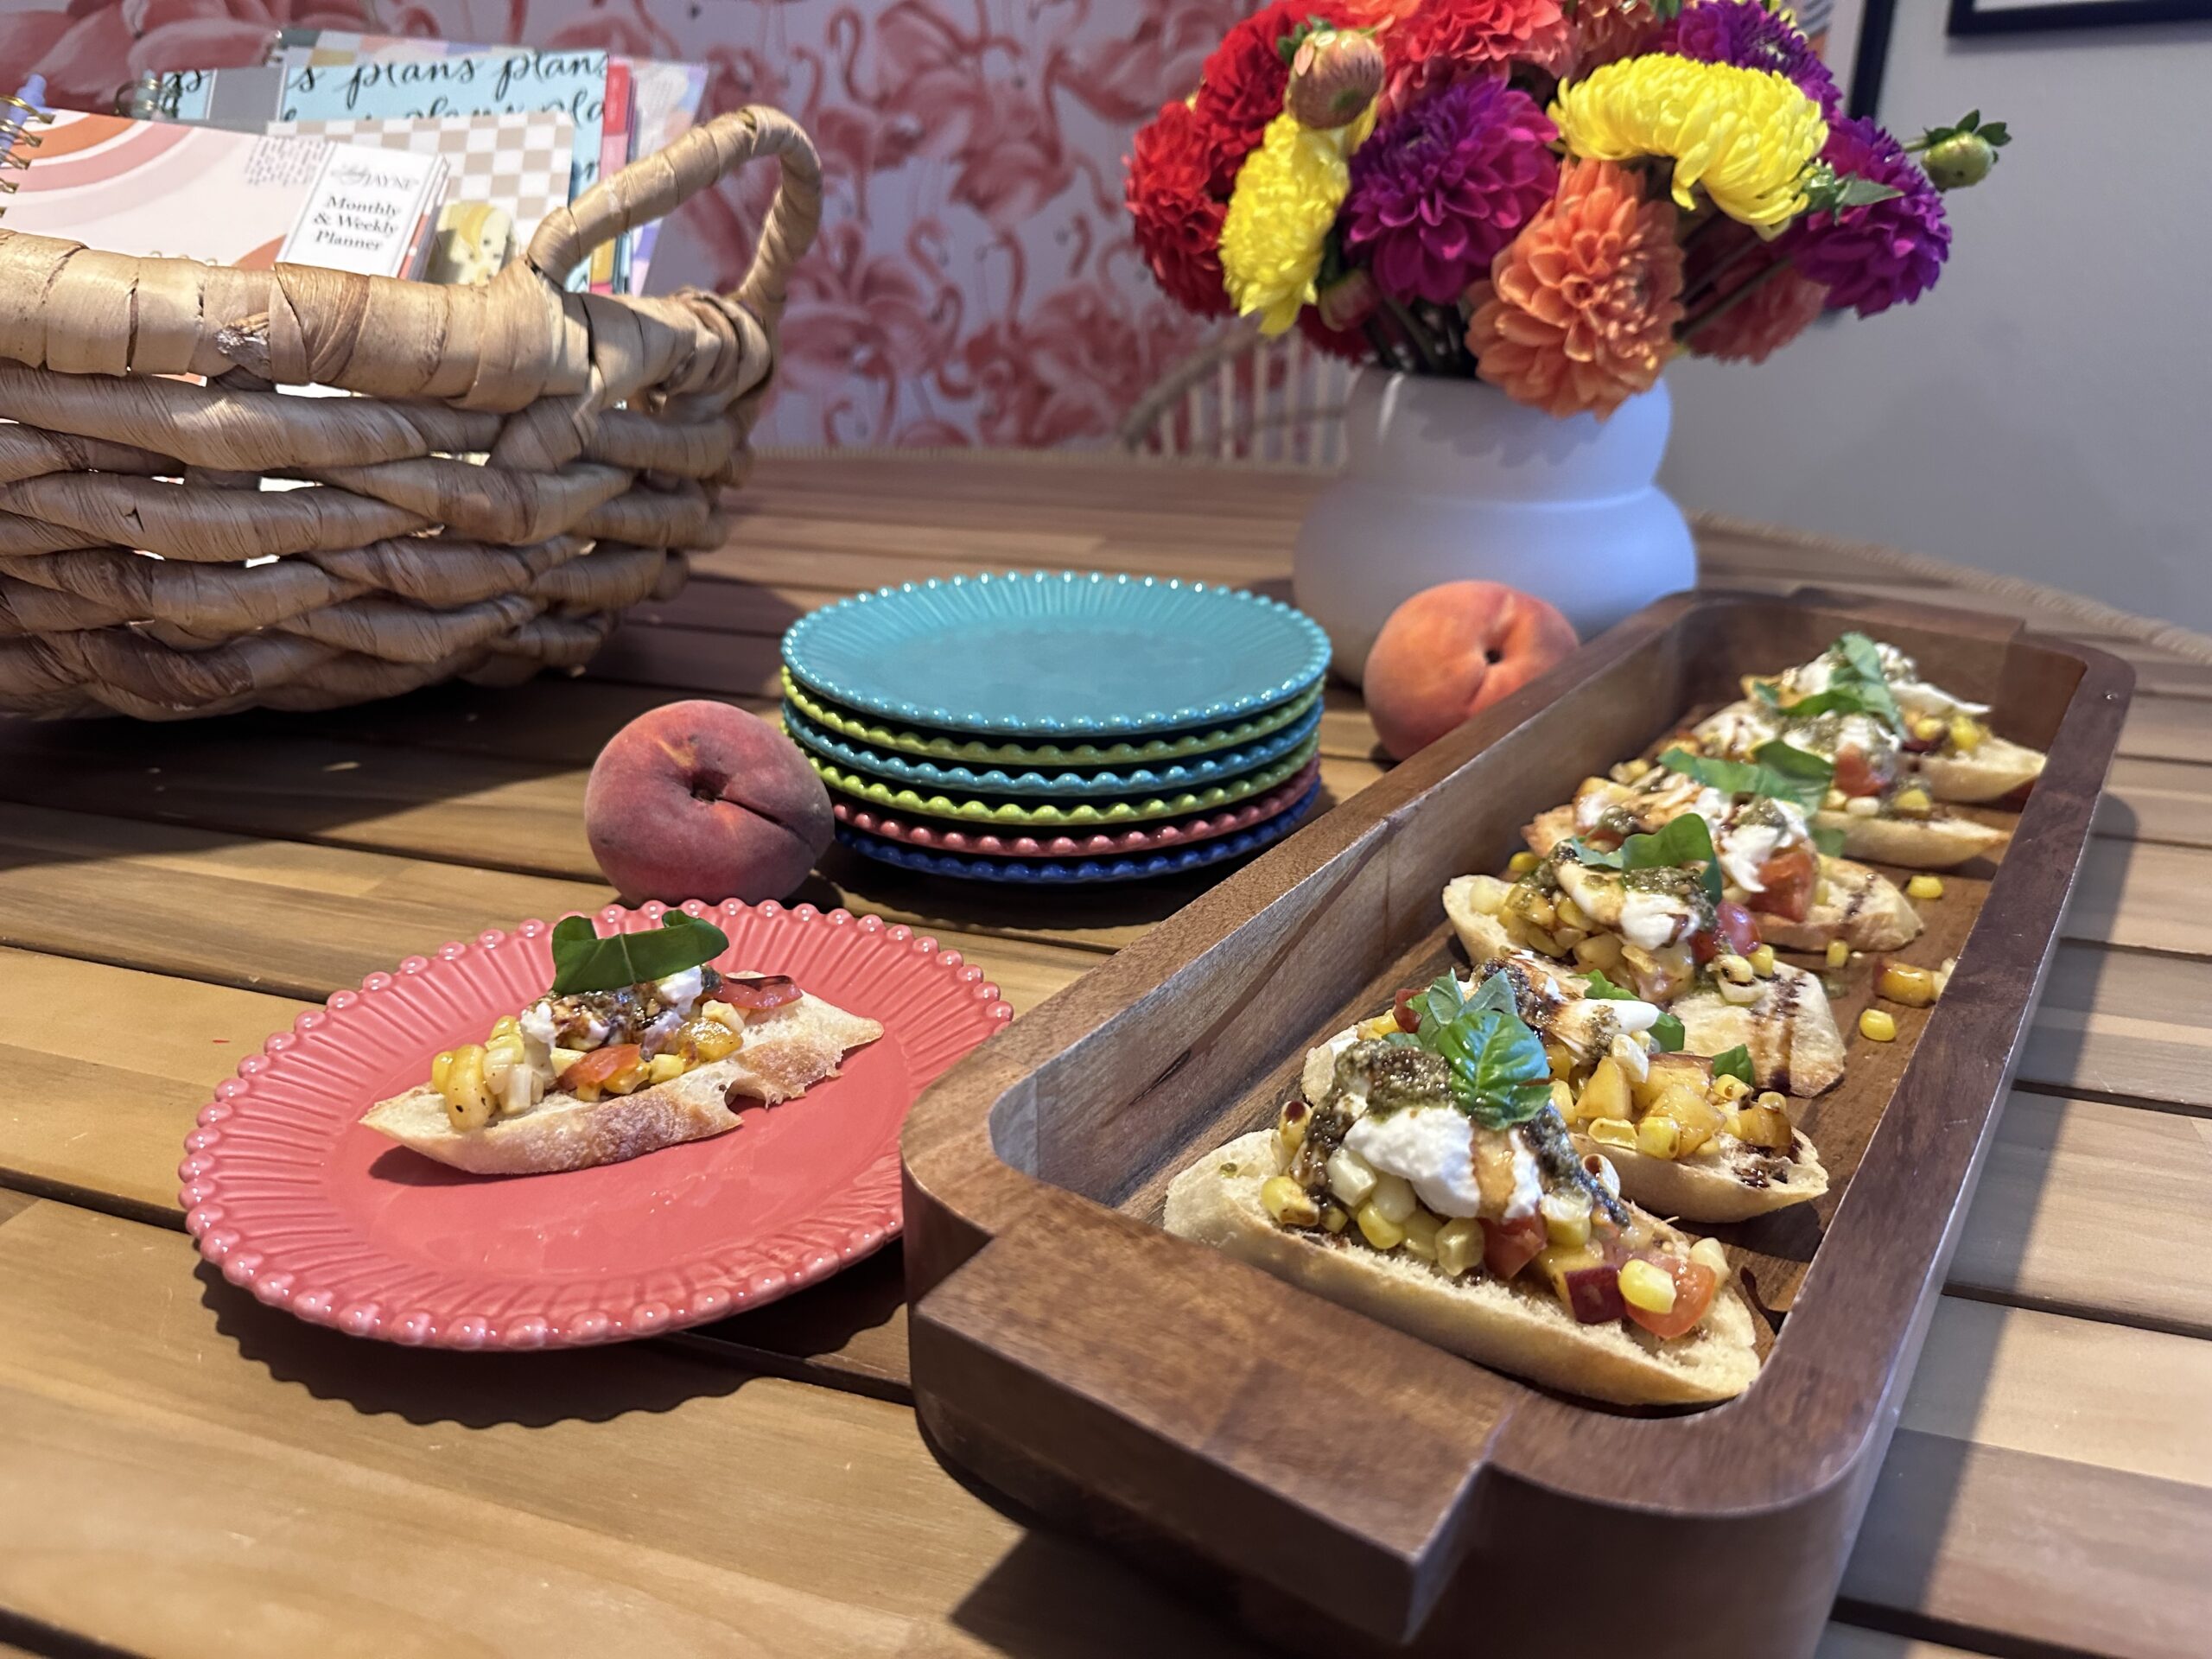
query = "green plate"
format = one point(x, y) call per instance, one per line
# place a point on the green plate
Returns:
point(1130, 809)
point(942, 747)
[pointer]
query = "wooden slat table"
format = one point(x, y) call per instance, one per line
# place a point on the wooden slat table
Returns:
point(183, 1471)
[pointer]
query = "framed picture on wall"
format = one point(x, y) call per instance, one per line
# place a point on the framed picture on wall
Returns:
point(1853, 38)
point(2011, 16)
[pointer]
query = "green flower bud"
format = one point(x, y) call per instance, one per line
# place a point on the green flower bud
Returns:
point(1962, 159)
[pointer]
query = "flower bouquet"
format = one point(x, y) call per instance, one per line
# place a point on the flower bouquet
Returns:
point(1554, 196)
point(1519, 212)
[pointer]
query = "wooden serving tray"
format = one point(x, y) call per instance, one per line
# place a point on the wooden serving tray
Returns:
point(1341, 1486)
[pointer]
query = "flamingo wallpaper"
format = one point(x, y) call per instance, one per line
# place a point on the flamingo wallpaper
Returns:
point(974, 281)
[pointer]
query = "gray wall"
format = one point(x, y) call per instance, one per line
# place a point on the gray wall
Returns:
point(2046, 410)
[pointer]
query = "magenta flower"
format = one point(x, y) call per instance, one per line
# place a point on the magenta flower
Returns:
point(1885, 253)
point(1748, 35)
point(1438, 189)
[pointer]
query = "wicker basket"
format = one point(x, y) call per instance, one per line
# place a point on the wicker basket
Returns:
point(610, 426)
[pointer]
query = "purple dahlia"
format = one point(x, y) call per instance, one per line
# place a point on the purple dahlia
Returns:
point(1745, 33)
point(1884, 253)
point(1440, 188)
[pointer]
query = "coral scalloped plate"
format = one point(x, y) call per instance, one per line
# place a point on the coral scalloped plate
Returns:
point(292, 1198)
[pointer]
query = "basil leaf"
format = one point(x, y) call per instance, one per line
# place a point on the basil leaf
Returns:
point(1864, 659)
point(1667, 1032)
point(1605, 991)
point(1500, 1076)
point(584, 961)
point(1776, 771)
point(1829, 839)
point(1678, 842)
point(1836, 700)
point(1734, 1062)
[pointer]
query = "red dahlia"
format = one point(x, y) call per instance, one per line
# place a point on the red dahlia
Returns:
point(1177, 213)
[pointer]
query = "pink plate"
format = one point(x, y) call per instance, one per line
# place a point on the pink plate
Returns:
point(1176, 832)
point(292, 1198)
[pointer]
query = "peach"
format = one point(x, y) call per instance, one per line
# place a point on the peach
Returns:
point(700, 800)
point(1453, 650)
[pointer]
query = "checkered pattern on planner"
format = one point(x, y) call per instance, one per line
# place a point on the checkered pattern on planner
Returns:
point(517, 163)
point(606, 425)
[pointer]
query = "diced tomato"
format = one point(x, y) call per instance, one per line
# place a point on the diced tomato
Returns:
point(1407, 1019)
point(596, 1067)
point(1733, 925)
point(1594, 1295)
point(769, 991)
point(1788, 877)
point(1695, 1285)
point(1853, 775)
point(1510, 1246)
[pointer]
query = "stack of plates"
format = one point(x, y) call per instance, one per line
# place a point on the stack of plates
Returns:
point(1056, 728)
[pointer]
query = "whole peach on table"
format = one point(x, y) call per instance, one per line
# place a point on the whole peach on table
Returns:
point(700, 800)
point(1453, 650)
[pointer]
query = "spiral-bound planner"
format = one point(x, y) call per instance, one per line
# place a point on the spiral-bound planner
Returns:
point(160, 189)
point(19, 112)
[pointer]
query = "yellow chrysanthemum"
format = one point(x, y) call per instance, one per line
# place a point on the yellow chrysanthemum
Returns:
point(1287, 196)
point(1746, 135)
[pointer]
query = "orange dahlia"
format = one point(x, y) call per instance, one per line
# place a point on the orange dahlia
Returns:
point(1579, 310)
point(1778, 307)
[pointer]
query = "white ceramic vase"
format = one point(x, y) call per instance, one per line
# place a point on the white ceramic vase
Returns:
point(1450, 480)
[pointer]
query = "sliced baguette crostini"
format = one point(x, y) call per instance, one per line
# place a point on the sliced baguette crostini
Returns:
point(640, 1044)
point(1945, 740)
point(1781, 1015)
point(1803, 898)
point(1511, 1327)
point(1684, 1140)
point(786, 1050)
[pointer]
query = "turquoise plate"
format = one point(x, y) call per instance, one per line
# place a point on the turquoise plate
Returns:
point(1053, 654)
point(994, 780)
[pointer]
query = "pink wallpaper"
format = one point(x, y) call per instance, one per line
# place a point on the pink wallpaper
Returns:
point(974, 281)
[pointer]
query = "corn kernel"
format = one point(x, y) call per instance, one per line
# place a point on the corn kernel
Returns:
point(1292, 1124)
point(1762, 961)
point(1659, 1137)
point(1567, 1215)
point(1612, 1132)
point(664, 1068)
point(1707, 1252)
point(723, 1015)
point(1572, 915)
point(1562, 1097)
point(1283, 1198)
point(1333, 1218)
point(1378, 1229)
point(1928, 727)
point(440, 1069)
point(1458, 1245)
point(1839, 953)
point(1967, 734)
point(1914, 987)
point(1393, 1198)
point(1833, 800)
point(1647, 1286)
point(1520, 863)
point(1924, 886)
point(1737, 970)
point(1914, 803)
point(469, 1101)
point(1862, 806)
point(1877, 1026)
point(1726, 1089)
point(1380, 1026)
point(1559, 1057)
point(1421, 1228)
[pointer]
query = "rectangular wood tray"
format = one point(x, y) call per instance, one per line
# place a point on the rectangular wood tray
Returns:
point(1340, 1486)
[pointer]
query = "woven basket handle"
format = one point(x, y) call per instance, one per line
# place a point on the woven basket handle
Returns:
point(656, 185)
